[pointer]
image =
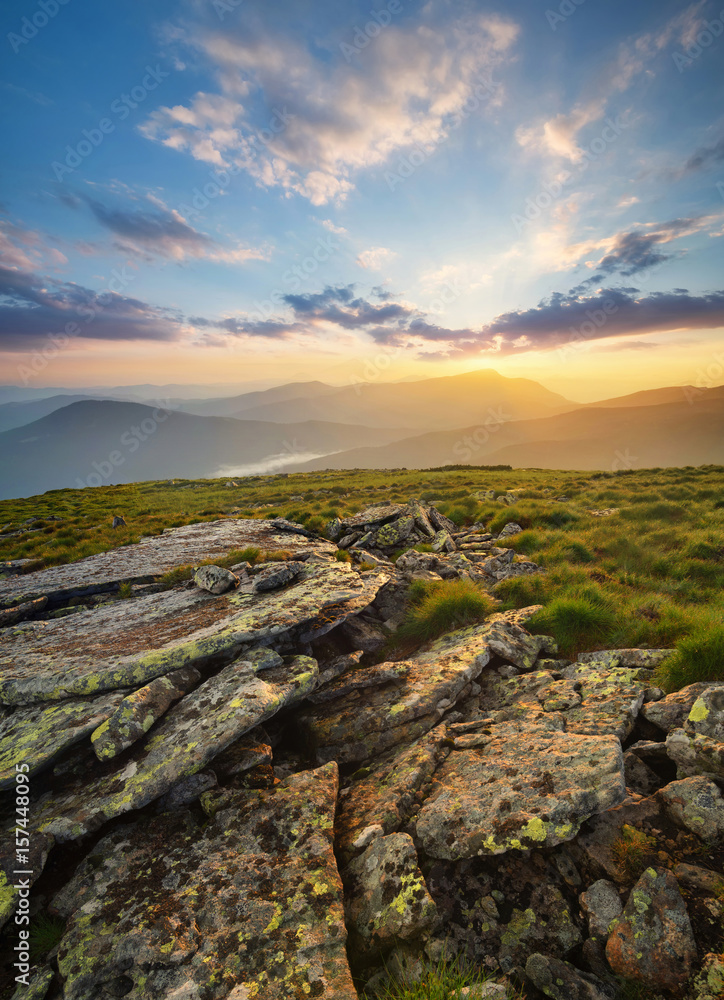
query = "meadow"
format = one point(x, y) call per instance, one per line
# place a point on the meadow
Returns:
point(646, 570)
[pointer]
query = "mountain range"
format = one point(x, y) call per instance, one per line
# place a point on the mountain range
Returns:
point(479, 418)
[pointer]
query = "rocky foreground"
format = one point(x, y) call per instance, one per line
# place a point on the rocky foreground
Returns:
point(234, 794)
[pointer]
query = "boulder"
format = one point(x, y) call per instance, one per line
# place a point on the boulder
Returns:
point(653, 942)
point(602, 905)
point(706, 717)
point(672, 711)
point(695, 754)
point(215, 579)
point(562, 981)
point(517, 786)
point(276, 575)
point(248, 904)
point(695, 804)
point(386, 897)
point(21, 612)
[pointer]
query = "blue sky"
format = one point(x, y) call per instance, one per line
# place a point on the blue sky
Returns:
point(224, 192)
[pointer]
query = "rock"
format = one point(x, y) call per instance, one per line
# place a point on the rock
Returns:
point(384, 799)
point(562, 981)
point(252, 750)
point(705, 881)
point(653, 942)
point(602, 905)
point(640, 778)
point(395, 534)
point(138, 711)
point(277, 575)
point(21, 612)
point(186, 791)
point(443, 542)
point(647, 659)
point(38, 851)
point(513, 644)
point(128, 643)
point(189, 736)
point(118, 522)
point(37, 736)
point(338, 665)
point(695, 754)
point(610, 699)
point(385, 894)
point(153, 556)
point(360, 632)
point(371, 722)
point(249, 904)
point(510, 529)
point(441, 523)
point(709, 984)
point(356, 679)
point(706, 717)
point(520, 786)
point(215, 579)
point(545, 923)
point(39, 985)
point(671, 712)
point(695, 804)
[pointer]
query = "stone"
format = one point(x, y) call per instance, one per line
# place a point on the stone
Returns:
point(139, 711)
point(276, 575)
point(215, 579)
point(128, 643)
point(39, 985)
point(247, 905)
point(671, 712)
point(186, 791)
point(356, 679)
point(395, 534)
point(697, 805)
point(602, 905)
point(562, 981)
point(510, 529)
point(250, 751)
point(653, 942)
point(443, 542)
point(513, 644)
point(38, 851)
point(385, 798)
point(21, 612)
point(188, 737)
point(360, 632)
point(640, 778)
point(189, 545)
point(519, 786)
point(709, 984)
point(706, 717)
point(386, 897)
point(439, 522)
point(545, 923)
point(118, 522)
point(695, 754)
point(36, 736)
point(611, 698)
point(701, 879)
point(648, 659)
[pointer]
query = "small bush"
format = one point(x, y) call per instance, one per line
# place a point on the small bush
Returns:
point(444, 981)
point(698, 657)
point(342, 556)
point(576, 622)
point(633, 851)
point(45, 934)
point(440, 607)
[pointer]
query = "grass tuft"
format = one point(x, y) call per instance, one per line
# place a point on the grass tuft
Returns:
point(576, 622)
point(444, 981)
point(698, 657)
point(46, 933)
point(442, 606)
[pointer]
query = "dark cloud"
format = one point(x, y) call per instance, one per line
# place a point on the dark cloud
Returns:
point(158, 229)
point(705, 156)
point(33, 308)
point(340, 306)
point(639, 250)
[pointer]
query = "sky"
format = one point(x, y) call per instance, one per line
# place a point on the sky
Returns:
point(231, 191)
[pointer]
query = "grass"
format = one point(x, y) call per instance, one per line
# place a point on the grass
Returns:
point(443, 981)
point(438, 607)
point(633, 852)
point(651, 574)
point(45, 934)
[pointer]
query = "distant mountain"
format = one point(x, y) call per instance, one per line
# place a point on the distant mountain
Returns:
point(443, 403)
point(19, 414)
point(669, 434)
point(101, 442)
point(238, 406)
point(652, 397)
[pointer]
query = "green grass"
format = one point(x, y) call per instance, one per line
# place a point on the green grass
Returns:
point(651, 574)
point(45, 934)
point(698, 657)
point(443, 981)
point(441, 606)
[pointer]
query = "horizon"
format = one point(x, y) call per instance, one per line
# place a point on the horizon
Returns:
point(232, 195)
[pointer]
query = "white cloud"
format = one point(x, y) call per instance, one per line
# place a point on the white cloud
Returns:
point(339, 230)
point(323, 120)
point(375, 258)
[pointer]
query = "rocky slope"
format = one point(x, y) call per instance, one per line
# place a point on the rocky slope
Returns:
point(236, 793)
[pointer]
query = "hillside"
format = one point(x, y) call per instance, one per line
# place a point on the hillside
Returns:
point(93, 442)
point(238, 406)
point(670, 434)
point(446, 403)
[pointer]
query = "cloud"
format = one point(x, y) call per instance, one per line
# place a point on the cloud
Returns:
point(375, 258)
point(307, 121)
point(704, 157)
point(22, 248)
point(159, 231)
point(34, 308)
point(339, 230)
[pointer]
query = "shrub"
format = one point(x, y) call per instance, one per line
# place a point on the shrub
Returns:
point(45, 934)
point(633, 851)
point(342, 556)
point(444, 981)
point(440, 607)
point(576, 622)
point(698, 657)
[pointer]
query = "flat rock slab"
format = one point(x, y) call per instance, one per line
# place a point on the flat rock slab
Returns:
point(246, 906)
point(190, 735)
point(128, 643)
point(185, 546)
point(520, 787)
point(36, 736)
